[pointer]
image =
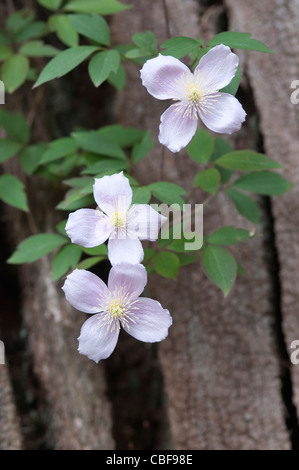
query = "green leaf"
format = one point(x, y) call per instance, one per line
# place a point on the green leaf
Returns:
point(141, 195)
point(50, 4)
point(233, 86)
point(106, 166)
point(38, 49)
point(4, 38)
point(220, 267)
point(14, 72)
point(169, 193)
point(179, 46)
point(64, 29)
point(35, 247)
point(102, 64)
point(67, 257)
point(228, 236)
point(167, 264)
point(122, 136)
point(263, 182)
point(103, 7)
point(64, 62)
point(118, 79)
point(208, 180)
point(31, 155)
point(75, 199)
point(221, 147)
point(89, 262)
point(95, 141)
point(5, 52)
point(8, 148)
point(244, 205)
point(201, 147)
point(239, 41)
point(96, 250)
point(146, 42)
point(32, 31)
point(15, 125)
point(93, 27)
point(12, 192)
point(143, 147)
point(19, 20)
point(246, 160)
point(59, 148)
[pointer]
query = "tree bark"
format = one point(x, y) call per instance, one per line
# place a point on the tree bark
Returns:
point(276, 23)
point(221, 361)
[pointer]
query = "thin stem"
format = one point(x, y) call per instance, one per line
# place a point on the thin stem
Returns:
point(166, 19)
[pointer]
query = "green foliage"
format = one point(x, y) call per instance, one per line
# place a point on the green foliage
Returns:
point(239, 41)
point(64, 62)
point(93, 27)
point(35, 247)
point(102, 64)
point(12, 192)
point(208, 180)
point(72, 162)
point(201, 147)
point(167, 264)
point(14, 72)
point(220, 266)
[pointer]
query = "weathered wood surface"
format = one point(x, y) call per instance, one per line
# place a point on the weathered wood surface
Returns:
point(221, 363)
point(224, 364)
point(276, 23)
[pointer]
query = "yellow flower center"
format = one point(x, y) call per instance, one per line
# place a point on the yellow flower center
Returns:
point(115, 308)
point(119, 219)
point(193, 92)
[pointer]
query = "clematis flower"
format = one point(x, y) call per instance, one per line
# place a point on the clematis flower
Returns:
point(196, 94)
point(115, 305)
point(124, 225)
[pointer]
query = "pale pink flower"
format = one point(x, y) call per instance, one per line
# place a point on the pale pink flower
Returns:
point(124, 225)
point(118, 304)
point(196, 94)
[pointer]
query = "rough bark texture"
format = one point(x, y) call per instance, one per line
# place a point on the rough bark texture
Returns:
point(220, 363)
point(10, 437)
point(271, 77)
point(224, 367)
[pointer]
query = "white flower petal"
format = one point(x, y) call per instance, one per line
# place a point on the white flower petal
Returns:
point(96, 340)
point(151, 321)
point(226, 115)
point(125, 251)
point(83, 290)
point(113, 193)
point(161, 75)
point(88, 227)
point(144, 222)
point(129, 278)
point(176, 131)
point(217, 68)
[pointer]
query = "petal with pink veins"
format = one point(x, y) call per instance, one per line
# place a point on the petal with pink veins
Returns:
point(217, 68)
point(125, 251)
point(84, 291)
point(144, 222)
point(176, 131)
point(151, 321)
point(96, 340)
point(129, 278)
point(226, 116)
point(161, 76)
point(88, 227)
point(113, 193)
